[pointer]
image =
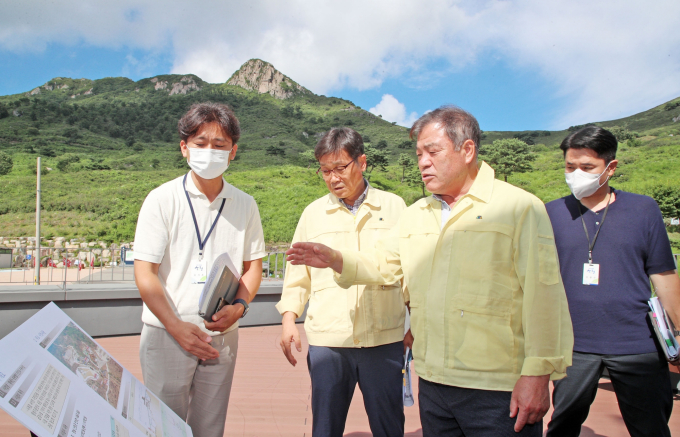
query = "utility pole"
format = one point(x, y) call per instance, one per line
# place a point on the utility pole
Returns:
point(36, 258)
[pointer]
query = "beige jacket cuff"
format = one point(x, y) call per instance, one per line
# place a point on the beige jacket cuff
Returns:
point(349, 270)
point(556, 367)
point(287, 305)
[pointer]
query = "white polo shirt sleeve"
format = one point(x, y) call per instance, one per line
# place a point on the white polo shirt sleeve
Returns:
point(253, 244)
point(151, 236)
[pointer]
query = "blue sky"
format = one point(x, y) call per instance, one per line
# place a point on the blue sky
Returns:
point(533, 64)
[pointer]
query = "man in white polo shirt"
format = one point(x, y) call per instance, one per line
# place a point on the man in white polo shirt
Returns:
point(183, 226)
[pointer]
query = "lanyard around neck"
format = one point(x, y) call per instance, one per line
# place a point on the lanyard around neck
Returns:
point(201, 243)
point(591, 244)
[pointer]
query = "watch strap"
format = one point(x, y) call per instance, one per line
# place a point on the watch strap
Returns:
point(245, 306)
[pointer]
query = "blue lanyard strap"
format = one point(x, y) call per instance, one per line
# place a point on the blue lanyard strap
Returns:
point(201, 244)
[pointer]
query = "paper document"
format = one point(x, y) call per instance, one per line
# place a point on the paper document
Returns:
point(663, 329)
point(58, 382)
point(407, 391)
point(220, 288)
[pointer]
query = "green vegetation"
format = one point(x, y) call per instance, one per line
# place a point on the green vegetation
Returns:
point(508, 156)
point(6, 163)
point(405, 161)
point(111, 143)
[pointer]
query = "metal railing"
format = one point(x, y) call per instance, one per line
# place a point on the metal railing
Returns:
point(67, 265)
point(61, 266)
point(276, 270)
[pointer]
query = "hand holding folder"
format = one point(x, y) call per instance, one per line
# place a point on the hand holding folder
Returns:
point(663, 328)
point(220, 288)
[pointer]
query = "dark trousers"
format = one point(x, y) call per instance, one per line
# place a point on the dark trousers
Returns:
point(642, 385)
point(335, 372)
point(457, 412)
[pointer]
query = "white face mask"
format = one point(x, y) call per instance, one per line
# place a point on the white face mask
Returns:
point(208, 163)
point(584, 184)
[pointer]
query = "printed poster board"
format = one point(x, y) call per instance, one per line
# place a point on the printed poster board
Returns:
point(58, 382)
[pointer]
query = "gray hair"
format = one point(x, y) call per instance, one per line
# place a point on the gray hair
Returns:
point(459, 124)
point(338, 139)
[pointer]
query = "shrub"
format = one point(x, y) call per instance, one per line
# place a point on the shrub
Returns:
point(668, 198)
point(634, 142)
point(64, 163)
point(6, 163)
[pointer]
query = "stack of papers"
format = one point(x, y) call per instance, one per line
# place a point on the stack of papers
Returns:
point(663, 329)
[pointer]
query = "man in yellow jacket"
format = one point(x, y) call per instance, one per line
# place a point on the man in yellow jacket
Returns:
point(489, 314)
point(355, 333)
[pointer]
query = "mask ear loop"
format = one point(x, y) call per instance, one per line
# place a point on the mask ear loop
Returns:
point(606, 180)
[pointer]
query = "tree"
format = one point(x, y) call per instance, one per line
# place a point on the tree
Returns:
point(414, 179)
point(634, 142)
point(308, 157)
point(622, 134)
point(275, 151)
point(72, 133)
point(6, 163)
point(155, 163)
point(405, 161)
point(508, 156)
point(406, 144)
point(48, 151)
point(668, 198)
point(382, 145)
point(66, 160)
point(366, 138)
point(375, 159)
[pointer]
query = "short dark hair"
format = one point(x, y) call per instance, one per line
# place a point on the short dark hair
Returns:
point(339, 139)
point(595, 138)
point(209, 112)
point(460, 125)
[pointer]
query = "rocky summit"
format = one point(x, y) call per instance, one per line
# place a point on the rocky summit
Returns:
point(262, 77)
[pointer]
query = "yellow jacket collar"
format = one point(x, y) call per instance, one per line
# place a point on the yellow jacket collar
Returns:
point(481, 188)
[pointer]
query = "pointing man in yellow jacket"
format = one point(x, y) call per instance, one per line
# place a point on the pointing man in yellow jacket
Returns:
point(355, 333)
point(489, 314)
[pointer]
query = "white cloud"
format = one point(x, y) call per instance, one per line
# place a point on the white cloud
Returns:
point(608, 58)
point(393, 110)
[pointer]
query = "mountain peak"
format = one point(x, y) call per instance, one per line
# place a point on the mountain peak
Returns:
point(260, 76)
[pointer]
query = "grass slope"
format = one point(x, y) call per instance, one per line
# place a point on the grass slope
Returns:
point(115, 141)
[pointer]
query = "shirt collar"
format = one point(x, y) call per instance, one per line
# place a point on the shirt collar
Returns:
point(369, 196)
point(225, 193)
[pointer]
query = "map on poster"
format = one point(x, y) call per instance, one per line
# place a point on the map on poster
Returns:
point(58, 382)
point(89, 362)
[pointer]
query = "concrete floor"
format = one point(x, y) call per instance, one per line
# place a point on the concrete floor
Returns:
point(271, 398)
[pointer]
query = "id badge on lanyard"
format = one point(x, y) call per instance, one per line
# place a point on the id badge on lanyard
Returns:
point(591, 274)
point(199, 272)
point(591, 271)
point(198, 268)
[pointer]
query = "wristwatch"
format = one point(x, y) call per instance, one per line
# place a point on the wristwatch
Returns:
point(245, 306)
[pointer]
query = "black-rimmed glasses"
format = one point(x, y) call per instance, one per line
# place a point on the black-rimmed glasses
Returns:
point(339, 170)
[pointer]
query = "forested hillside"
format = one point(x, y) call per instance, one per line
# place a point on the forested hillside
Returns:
point(105, 143)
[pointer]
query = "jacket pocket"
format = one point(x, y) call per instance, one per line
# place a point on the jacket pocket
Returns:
point(328, 310)
point(479, 336)
point(388, 306)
